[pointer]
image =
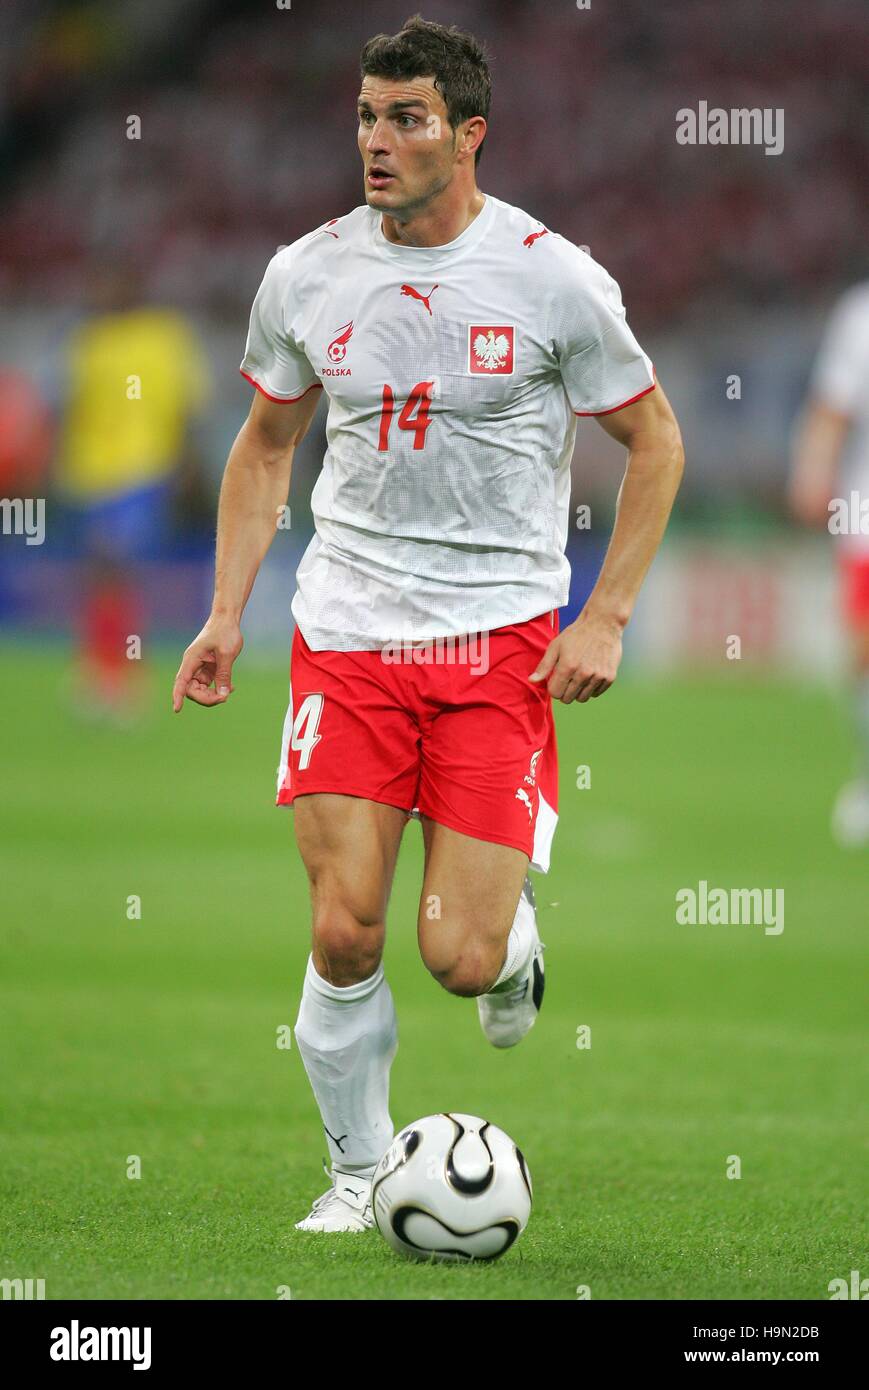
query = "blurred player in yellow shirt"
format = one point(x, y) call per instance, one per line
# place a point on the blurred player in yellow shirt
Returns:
point(137, 380)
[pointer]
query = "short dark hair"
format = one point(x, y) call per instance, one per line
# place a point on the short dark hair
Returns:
point(457, 62)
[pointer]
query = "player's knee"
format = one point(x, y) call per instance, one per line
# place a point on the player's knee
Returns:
point(467, 974)
point(347, 946)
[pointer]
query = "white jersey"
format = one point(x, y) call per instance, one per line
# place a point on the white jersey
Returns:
point(454, 375)
point(841, 380)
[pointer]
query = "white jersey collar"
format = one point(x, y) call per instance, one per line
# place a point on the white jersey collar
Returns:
point(419, 256)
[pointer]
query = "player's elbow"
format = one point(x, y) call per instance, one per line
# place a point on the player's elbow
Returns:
point(650, 432)
point(265, 449)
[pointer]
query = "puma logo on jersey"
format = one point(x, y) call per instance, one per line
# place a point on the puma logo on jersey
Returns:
point(423, 298)
point(490, 349)
point(522, 795)
point(532, 237)
point(327, 225)
point(337, 349)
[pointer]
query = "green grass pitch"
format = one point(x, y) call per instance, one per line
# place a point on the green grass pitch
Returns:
point(157, 1037)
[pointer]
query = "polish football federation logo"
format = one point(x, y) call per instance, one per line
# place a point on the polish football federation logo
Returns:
point(490, 349)
point(531, 774)
point(337, 349)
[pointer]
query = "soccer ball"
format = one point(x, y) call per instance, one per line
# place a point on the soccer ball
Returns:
point(451, 1187)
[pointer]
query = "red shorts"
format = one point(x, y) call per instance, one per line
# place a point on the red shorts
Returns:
point(854, 577)
point(468, 742)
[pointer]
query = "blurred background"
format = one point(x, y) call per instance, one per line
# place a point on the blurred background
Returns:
point(729, 261)
point(154, 924)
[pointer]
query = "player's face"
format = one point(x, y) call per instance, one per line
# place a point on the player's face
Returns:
point(407, 145)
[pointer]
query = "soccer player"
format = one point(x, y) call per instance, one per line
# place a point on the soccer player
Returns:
point(831, 450)
point(457, 340)
point(127, 428)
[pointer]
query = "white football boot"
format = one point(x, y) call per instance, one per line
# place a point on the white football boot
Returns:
point(345, 1207)
point(507, 1015)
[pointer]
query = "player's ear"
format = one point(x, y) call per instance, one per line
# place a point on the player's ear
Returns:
point(474, 134)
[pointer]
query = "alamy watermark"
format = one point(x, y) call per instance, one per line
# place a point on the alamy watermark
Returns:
point(857, 1288)
point(23, 516)
point(760, 907)
point(77, 1343)
point(471, 649)
point(24, 1289)
point(849, 516)
point(739, 126)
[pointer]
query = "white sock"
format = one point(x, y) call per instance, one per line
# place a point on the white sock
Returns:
point(520, 944)
point(348, 1037)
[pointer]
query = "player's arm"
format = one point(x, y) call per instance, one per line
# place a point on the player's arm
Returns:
point(581, 663)
point(255, 485)
point(817, 449)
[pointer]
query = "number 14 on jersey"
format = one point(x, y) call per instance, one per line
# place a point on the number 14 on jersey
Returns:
point(414, 415)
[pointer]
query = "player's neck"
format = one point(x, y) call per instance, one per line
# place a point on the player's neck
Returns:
point(436, 225)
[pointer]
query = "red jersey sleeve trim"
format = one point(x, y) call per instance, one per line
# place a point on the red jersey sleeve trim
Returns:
point(282, 400)
point(614, 408)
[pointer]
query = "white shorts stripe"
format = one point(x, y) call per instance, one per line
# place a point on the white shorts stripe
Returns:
point(544, 829)
point(284, 769)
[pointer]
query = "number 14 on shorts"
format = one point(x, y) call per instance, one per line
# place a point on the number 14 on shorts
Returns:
point(304, 736)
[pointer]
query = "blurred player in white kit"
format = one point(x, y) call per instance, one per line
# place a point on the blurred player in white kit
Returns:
point(829, 485)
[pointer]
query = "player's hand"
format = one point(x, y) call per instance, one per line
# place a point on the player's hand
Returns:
point(582, 661)
point(205, 673)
